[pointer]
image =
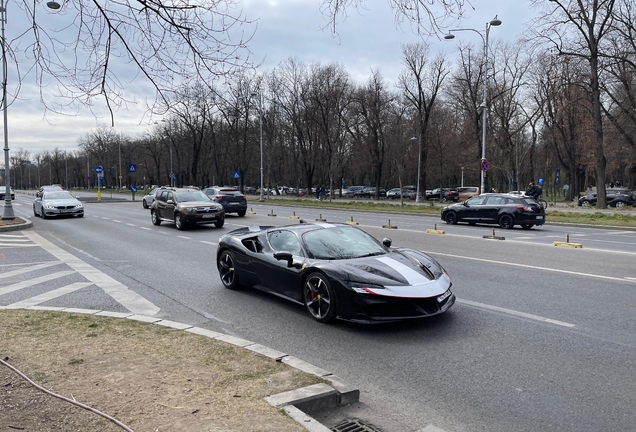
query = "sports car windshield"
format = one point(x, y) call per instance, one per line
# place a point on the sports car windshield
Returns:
point(341, 243)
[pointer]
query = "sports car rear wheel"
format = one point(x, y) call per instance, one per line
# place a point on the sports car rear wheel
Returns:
point(227, 270)
point(319, 298)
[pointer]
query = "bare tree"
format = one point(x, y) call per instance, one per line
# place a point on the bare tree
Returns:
point(421, 83)
point(579, 28)
point(91, 49)
point(427, 17)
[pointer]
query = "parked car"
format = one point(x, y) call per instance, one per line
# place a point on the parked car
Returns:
point(466, 192)
point(351, 191)
point(493, 208)
point(3, 193)
point(336, 271)
point(149, 198)
point(396, 192)
point(443, 194)
point(618, 198)
point(232, 200)
point(51, 203)
point(184, 207)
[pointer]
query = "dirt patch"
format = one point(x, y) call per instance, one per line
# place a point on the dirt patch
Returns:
point(148, 377)
point(9, 222)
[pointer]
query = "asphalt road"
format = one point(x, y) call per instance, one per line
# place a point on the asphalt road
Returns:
point(541, 338)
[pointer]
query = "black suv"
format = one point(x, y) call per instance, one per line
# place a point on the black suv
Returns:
point(232, 200)
point(618, 198)
point(504, 209)
point(447, 194)
point(185, 206)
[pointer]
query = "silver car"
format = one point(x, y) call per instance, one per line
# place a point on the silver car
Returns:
point(149, 198)
point(57, 203)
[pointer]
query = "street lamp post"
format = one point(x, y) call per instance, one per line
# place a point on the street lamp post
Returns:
point(260, 125)
point(484, 105)
point(119, 151)
point(8, 207)
point(419, 163)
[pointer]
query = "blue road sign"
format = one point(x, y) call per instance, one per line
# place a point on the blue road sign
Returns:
point(99, 169)
point(132, 168)
point(485, 165)
point(236, 174)
point(133, 189)
point(558, 175)
point(541, 181)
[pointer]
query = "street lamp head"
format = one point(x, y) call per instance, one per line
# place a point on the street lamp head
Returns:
point(413, 138)
point(449, 36)
point(495, 22)
point(53, 5)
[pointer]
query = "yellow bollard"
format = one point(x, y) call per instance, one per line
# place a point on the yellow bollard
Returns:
point(294, 216)
point(351, 222)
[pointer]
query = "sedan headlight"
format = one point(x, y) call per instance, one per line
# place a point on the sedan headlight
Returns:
point(49, 206)
point(365, 288)
point(79, 205)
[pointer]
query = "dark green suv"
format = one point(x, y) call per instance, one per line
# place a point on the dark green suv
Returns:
point(185, 207)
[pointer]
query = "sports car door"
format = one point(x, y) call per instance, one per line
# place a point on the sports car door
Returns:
point(276, 275)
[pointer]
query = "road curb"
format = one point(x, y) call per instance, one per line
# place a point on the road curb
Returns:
point(25, 224)
point(294, 402)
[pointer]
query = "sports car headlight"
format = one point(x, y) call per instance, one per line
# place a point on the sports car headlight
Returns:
point(364, 288)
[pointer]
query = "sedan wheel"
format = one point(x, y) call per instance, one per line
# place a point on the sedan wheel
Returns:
point(506, 222)
point(620, 204)
point(179, 222)
point(145, 204)
point(451, 218)
point(155, 218)
point(34, 212)
point(241, 213)
point(319, 299)
point(585, 204)
point(227, 270)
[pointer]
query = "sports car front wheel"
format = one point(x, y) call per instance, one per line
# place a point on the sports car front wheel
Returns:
point(319, 298)
point(227, 270)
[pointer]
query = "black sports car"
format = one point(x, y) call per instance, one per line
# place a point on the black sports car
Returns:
point(336, 271)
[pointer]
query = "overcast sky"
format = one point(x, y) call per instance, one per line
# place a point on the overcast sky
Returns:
point(368, 39)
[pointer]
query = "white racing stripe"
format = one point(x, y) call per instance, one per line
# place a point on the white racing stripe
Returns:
point(119, 292)
point(418, 285)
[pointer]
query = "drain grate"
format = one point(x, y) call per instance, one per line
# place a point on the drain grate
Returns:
point(353, 425)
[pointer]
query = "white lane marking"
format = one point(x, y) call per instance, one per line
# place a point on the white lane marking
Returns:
point(207, 242)
point(516, 313)
point(132, 225)
point(50, 295)
point(105, 218)
point(630, 278)
point(126, 297)
point(31, 282)
point(28, 269)
point(185, 238)
point(146, 228)
point(530, 266)
point(15, 245)
point(115, 220)
point(610, 241)
point(11, 236)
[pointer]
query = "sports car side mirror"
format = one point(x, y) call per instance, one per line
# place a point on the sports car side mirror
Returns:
point(386, 242)
point(465, 204)
point(285, 256)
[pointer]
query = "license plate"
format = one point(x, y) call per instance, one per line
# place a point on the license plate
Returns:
point(539, 217)
point(444, 296)
point(208, 216)
point(235, 203)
